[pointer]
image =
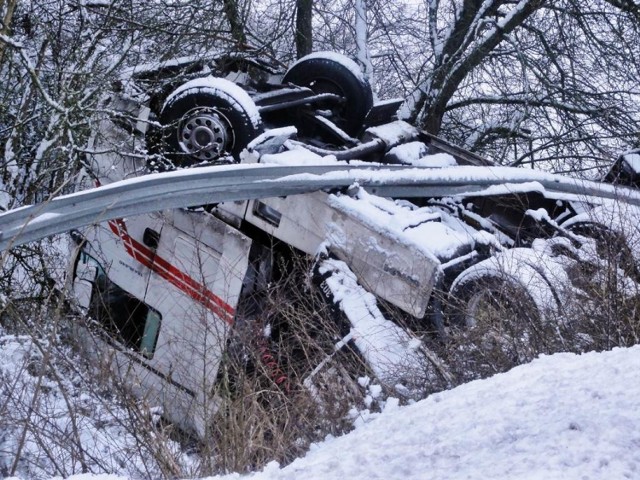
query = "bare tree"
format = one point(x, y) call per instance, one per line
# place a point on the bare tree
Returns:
point(523, 82)
point(7, 7)
point(478, 28)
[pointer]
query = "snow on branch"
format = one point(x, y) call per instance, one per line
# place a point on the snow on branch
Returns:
point(32, 72)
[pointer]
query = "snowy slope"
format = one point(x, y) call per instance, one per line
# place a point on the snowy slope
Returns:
point(562, 416)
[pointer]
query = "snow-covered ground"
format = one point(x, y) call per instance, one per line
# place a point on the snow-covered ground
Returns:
point(562, 416)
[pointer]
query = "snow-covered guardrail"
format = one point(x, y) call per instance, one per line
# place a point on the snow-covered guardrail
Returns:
point(208, 185)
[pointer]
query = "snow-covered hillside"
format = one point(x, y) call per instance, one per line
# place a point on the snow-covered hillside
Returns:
point(563, 416)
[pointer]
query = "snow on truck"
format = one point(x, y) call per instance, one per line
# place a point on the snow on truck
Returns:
point(169, 260)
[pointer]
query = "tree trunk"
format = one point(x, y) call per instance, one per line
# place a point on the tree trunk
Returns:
point(6, 10)
point(363, 57)
point(233, 17)
point(304, 39)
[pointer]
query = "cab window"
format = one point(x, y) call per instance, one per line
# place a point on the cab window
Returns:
point(123, 316)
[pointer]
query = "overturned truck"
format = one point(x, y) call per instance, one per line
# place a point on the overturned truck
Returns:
point(401, 232)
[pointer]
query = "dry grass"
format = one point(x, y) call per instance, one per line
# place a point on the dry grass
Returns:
point(275, 403)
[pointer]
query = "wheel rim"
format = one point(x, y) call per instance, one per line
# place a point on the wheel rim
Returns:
point(205, 134)
point(488, 314)
point(483, 305)
point(496, 326)
point(326, 85)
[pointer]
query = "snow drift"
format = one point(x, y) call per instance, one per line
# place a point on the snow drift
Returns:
point(562, 416)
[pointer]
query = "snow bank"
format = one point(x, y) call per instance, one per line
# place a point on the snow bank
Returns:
point(565, 415)
point(562, 416)
point(56, 418)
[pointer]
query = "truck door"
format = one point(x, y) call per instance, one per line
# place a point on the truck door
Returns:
point(195, 282)
point(164, 289)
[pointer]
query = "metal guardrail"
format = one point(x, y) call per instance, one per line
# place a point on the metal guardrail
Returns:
point(209, 185)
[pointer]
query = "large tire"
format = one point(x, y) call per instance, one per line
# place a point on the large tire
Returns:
point(207, 120)
point(606, 274)
point(500, 313)
point(616, 236)
point(329, 72)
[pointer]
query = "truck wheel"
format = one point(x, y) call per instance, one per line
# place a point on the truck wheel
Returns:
point(329, 72)
point(611, 246)
point(498, 313)
point(208, 120)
